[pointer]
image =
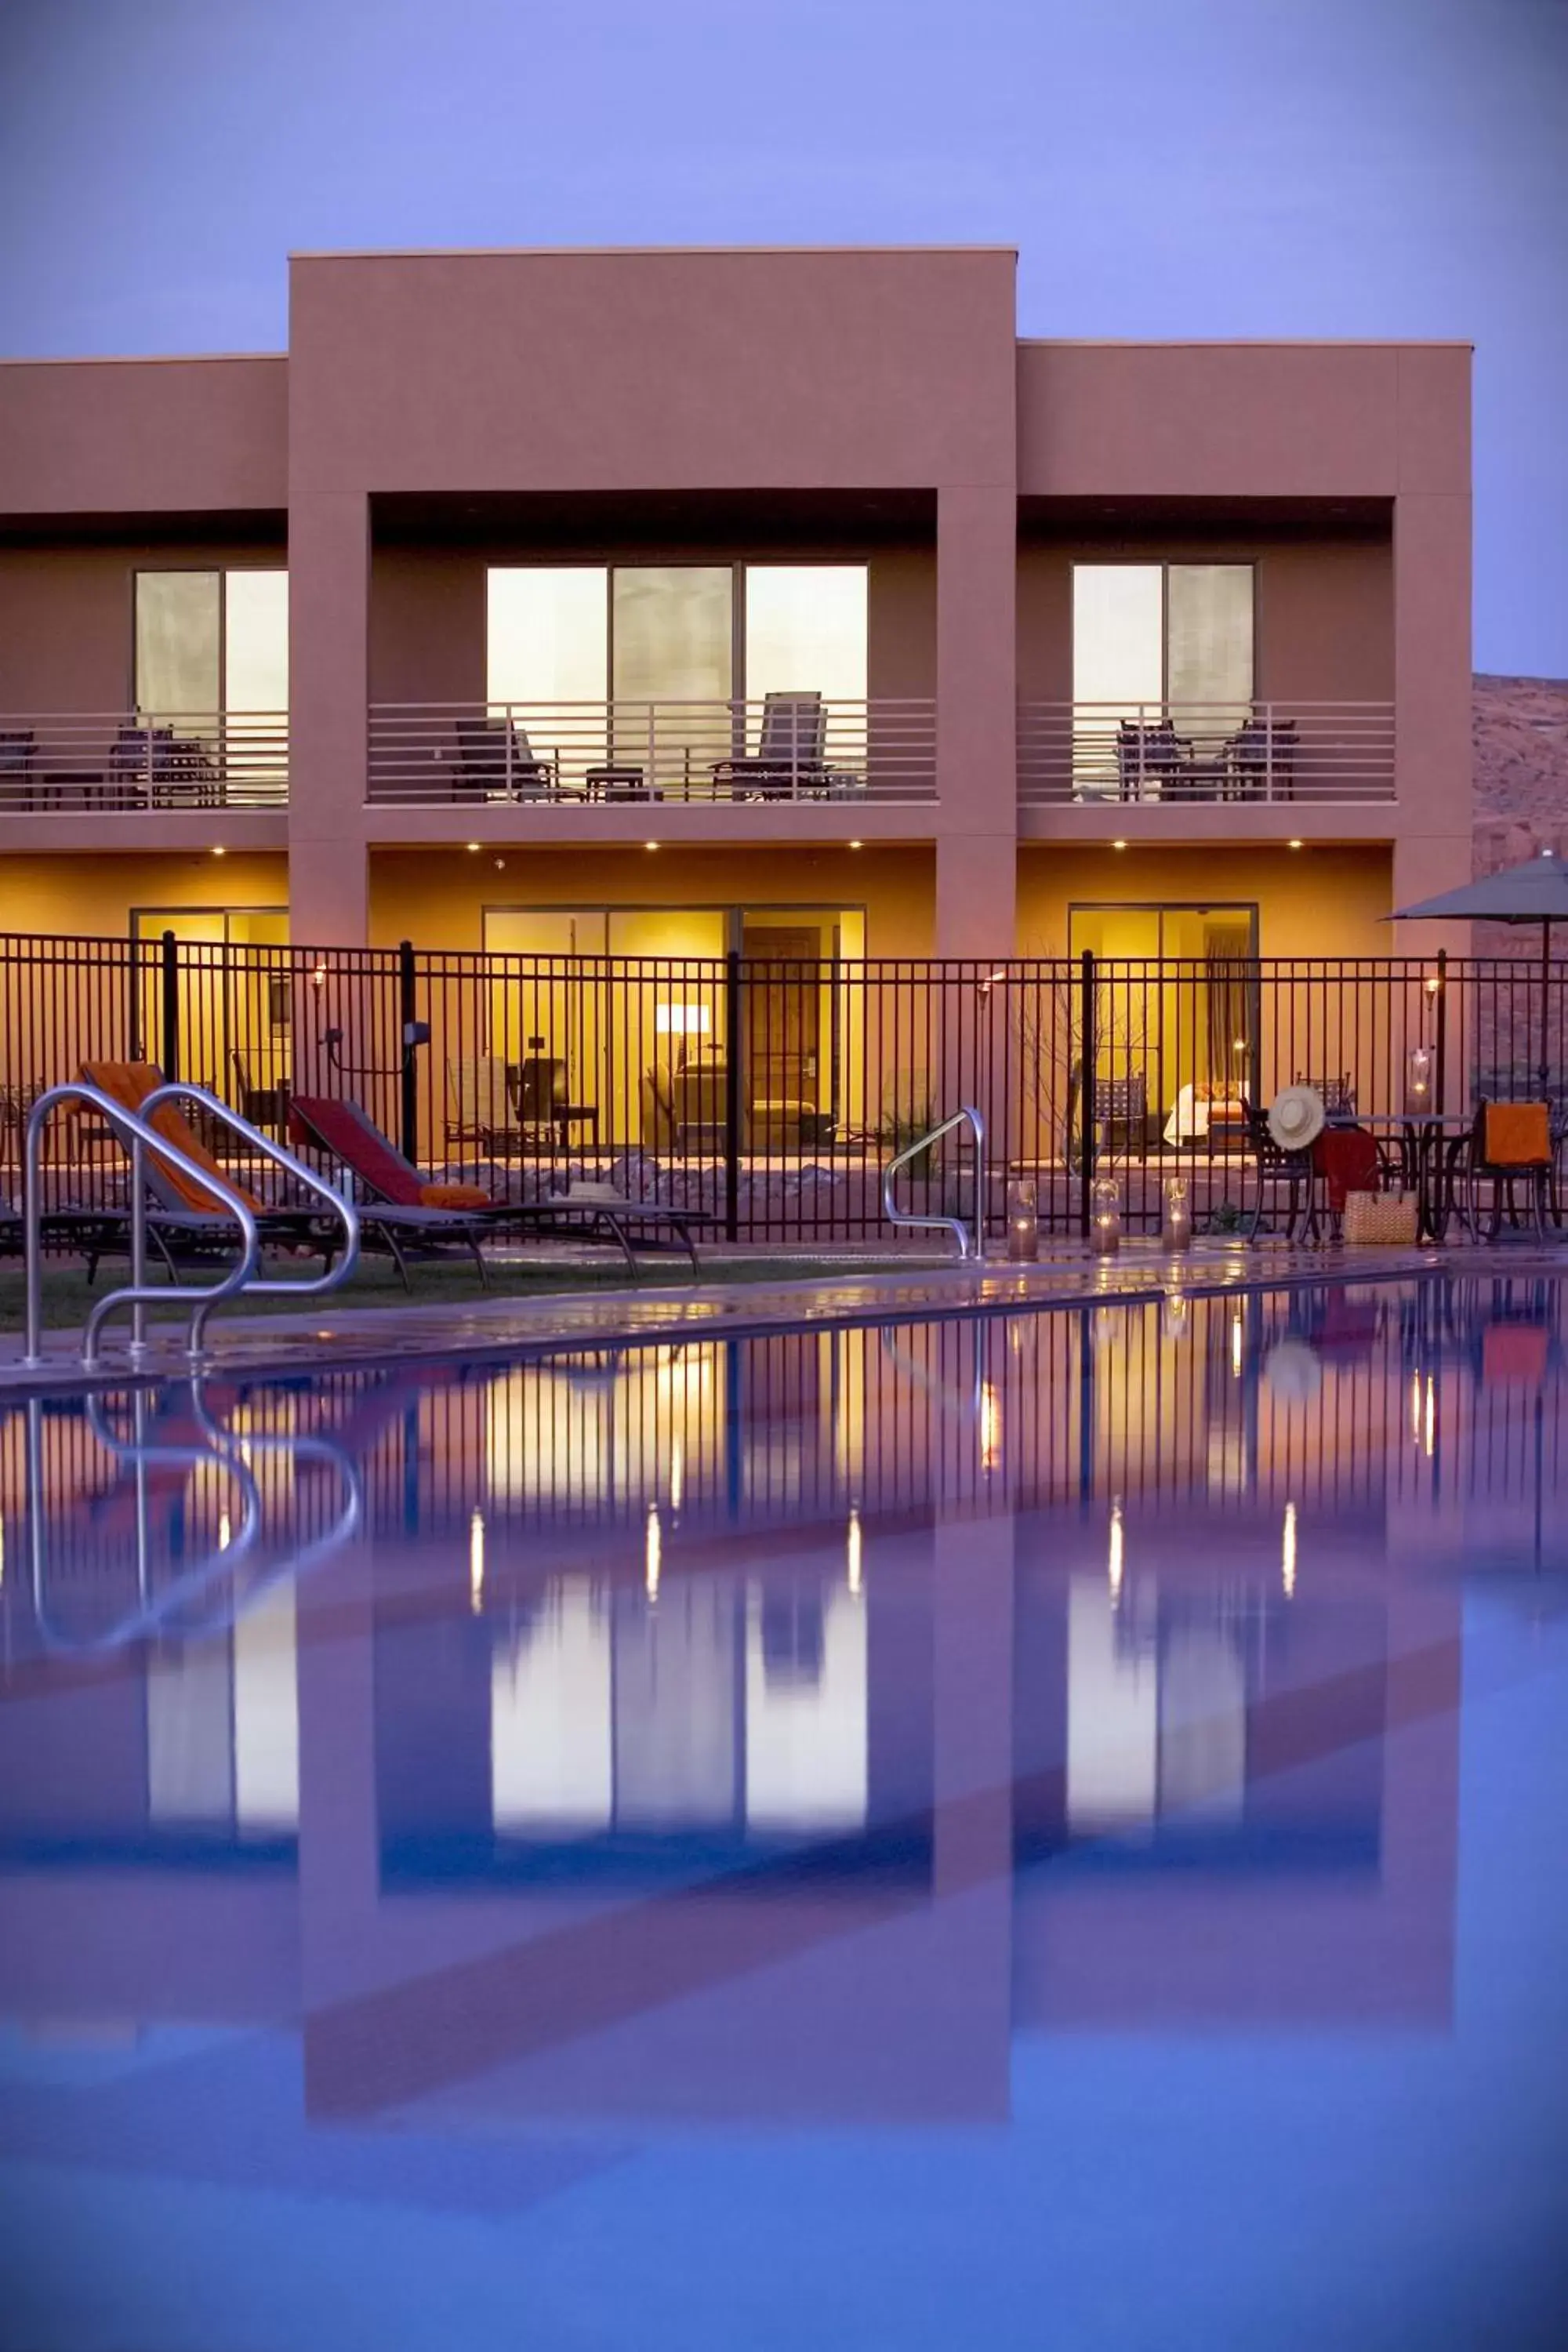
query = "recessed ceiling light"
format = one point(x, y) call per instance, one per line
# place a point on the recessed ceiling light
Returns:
point(1295, 844)
point(219, 850)
point(1119, 844)
point(857, 845)
point(650, 845)
point(473, 848)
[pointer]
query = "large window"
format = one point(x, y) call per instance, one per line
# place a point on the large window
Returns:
point(211, 643)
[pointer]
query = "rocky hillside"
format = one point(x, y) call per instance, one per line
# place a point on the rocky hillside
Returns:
point(1519, 728)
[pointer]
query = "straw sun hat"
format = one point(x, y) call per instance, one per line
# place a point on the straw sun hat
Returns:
point(1295, 1118)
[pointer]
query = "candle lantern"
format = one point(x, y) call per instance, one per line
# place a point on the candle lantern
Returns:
point(1105, 1217)
point(1023, 1219)
point(1418, 1079)
point(1178, 1216)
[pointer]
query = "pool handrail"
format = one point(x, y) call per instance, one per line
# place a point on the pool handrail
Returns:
point(134, 1128)
point(971, 1244)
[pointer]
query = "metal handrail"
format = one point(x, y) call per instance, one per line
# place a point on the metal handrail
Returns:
point(134, 1128)
point(969, 1244)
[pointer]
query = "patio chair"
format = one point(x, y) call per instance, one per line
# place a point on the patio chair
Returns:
point(1277, 1166)
point(480, 1110)
point(1337, 1094)
point(789, 753)
point(186, 1226)
point(262, 1105)
point(137, 756)
point(496, 760)
point(408, 1215)
point(602, 1209)
point(1510, 1144)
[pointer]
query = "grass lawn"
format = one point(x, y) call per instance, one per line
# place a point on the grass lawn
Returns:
point(68, 1300)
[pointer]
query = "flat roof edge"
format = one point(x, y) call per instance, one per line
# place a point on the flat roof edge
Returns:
point(1247, 342)
point(148, 359)
point(620, 252)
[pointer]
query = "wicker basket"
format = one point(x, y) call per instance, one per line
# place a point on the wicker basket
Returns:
point(1382, 1217)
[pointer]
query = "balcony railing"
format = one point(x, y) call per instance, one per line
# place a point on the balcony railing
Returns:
point(782, 748)
point(96, 761)
point(1184, 752)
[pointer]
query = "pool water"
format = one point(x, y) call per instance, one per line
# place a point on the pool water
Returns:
point(1038, 1830)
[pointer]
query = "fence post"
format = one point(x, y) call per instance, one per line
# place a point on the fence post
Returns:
point(732, 995)
point(1088, 1056)
point(169, 994)
point(1441, 993)
point(408, 1012)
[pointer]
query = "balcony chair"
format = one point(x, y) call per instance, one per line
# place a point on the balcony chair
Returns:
point(1151, 760)
point(1261, 758)
point(18, 756)
point(496, 760)
point(788, 759)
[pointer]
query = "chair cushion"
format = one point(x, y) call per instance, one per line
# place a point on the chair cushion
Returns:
point(360, 1144)
point(455, 1196)
point(130, 1084)
point(1516, 1135)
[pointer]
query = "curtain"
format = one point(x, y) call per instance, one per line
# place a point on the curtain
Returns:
point(1227, 953)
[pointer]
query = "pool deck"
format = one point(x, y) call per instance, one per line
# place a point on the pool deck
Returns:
point(563, 1320)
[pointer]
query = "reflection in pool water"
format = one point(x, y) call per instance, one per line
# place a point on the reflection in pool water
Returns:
point(1009, 1830)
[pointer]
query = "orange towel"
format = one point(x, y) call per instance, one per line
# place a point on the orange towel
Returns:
point(1516, 1135)
point(130, 1084)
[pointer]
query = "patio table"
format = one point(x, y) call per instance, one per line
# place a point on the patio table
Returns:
point(1425, 1159)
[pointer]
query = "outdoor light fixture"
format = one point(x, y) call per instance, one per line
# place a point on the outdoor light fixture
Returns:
point(1105, 1217)
point(1418, 1075)
point(1023, 1219)
point(318, 976)
point(1177, 1221)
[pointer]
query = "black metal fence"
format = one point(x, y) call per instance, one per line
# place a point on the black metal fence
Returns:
point(772, 1092)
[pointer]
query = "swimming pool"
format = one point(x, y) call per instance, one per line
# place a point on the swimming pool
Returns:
point(1035, 1830)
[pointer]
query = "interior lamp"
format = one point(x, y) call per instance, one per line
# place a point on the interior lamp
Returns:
point(682, 1021)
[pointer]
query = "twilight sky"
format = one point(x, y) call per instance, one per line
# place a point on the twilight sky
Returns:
point(1166, 167)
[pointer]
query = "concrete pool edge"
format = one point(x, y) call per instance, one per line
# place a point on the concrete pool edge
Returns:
point(566, 1321)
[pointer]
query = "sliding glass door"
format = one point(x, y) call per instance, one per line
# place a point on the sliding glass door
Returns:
point(1156, 645)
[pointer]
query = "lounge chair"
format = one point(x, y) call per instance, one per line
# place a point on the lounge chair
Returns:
point(411, 1217)
point(600, 1208)
point(495, 759)
point(186, 1226)
point(789, 754)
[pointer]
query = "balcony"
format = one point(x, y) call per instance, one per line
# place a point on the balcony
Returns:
point(1317, 754)
point(798, 748)
point(96, 762)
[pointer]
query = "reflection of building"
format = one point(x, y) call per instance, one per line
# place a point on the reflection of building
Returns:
point(811, 1838)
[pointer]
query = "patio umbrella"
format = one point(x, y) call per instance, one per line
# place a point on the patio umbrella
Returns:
point(1535, 892)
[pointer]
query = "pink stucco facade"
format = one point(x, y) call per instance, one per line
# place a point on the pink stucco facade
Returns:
point(438, 413)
